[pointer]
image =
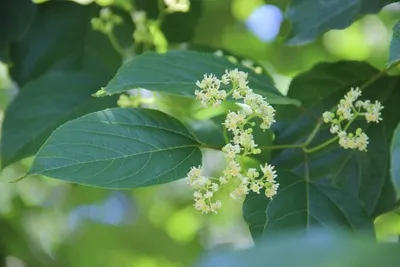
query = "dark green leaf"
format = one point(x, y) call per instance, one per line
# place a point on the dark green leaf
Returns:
point(395, 159)
point(61, 38)
point(361, 174)
point(42, 106)
point(394, 52)
point(317, 249)
point(100, 58)
point(310, 18)
point(209, 132)
point(55, 40)
point(185, 22)
point(119, 148)
point(176, 72)
point(300, 205)
point(15, 17)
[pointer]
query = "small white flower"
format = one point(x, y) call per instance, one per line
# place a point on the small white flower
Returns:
point(210, 95)
point(240, 192)
point(342, 134)
point(208, 194)
point(234, 120)
point(373, 113)
point(201, 205)
point(269, 172)
point(231, 150)
point(233, 169)
point(328, 116)
point(334, 128)
point(214, 207)
point(362, 142)
point(271, 190)
point(252, 173)
point(214, 187)
point(197, 194)
point(255, 187)
point(223, 180)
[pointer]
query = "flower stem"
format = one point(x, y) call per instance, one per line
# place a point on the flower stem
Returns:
point(276, 147)
point(329, 141)
point(320, 146)
point(114, 42)
point(161, 12)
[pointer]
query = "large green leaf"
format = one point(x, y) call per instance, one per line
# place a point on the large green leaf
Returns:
point(176, 72)
point(363, 175)
point(15, 16)
point(301, 205)
point(61, 37)
point(395, 160)
point(119, 148)
point(360, 173)
point(394, 52)
point(55, 40)
point(317, 249)
point(310, 18)
point(42, 106)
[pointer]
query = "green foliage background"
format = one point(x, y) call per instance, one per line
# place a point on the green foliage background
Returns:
point(53, 61)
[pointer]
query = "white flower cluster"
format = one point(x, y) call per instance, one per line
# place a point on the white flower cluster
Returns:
point(348, 109)
point(242, 143)
point(177, 5)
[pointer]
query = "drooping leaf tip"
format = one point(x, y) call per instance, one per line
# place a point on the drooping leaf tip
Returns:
point(101, 93)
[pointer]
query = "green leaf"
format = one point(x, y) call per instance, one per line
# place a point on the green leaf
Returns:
point(301, 205)
point(209, 132)
point(55, 40)
point(176, 72)
point(310, 18)
point(119, 148)
point(317, 249)
point(15, 21)
point(394, 52)
point(61, 38)
point(43, 105)
point(363, 175)
point(395, 160)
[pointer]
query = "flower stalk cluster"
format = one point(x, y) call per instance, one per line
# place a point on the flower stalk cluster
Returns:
point(239, 124)
point(106, 21)
point(348, 109)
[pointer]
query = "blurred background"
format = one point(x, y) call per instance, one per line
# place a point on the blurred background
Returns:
point(45, 222)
